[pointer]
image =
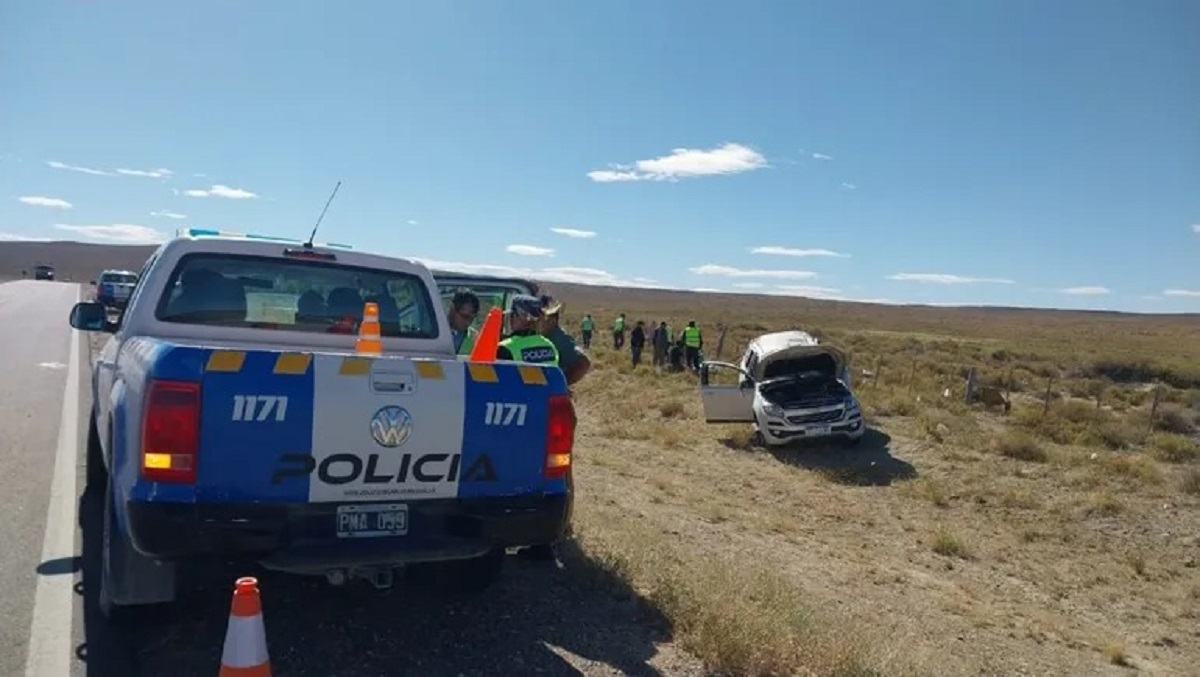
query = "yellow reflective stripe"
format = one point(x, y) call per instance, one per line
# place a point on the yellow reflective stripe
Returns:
point(226, 361)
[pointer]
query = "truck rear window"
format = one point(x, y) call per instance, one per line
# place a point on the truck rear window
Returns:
point(294, 295)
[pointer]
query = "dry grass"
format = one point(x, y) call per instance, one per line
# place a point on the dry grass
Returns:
point(957, 539)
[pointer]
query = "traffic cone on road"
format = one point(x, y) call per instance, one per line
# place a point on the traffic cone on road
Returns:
point(245, 653)
point(369, 342)
point(489, 337)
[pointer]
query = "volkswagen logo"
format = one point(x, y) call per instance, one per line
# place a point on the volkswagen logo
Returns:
point(391, 426)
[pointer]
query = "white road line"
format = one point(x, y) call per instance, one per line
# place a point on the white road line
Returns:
point(54, 600)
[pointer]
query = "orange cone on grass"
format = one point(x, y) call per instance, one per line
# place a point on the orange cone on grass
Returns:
point(369, 341)
point(489, 337)
point(245, 652)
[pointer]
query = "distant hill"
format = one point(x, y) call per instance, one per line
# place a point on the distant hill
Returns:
point(83, 261)
point(77, 260)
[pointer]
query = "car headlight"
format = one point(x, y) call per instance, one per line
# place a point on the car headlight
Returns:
point(851, 405)
point(772, 409)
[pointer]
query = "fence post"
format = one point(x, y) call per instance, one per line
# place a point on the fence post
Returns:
point(721, 341)
point(970, 390)
point(1046, 399)
point(1154, 406)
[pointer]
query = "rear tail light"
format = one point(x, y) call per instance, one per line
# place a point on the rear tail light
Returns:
point(560, 436)
point(171, 431)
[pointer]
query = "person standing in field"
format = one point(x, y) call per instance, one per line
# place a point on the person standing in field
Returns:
point(637, 341)
point(464, 308)
point(586, 325)
point(619, 332)
point(692, 343)
point(571, 359)
point(661, 344)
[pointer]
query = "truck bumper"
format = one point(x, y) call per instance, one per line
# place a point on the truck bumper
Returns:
point(302, 537)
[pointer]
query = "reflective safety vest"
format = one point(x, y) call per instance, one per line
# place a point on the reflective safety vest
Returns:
point(468, 341)
point(619, 324)
point(691, 337)
point(586, 324)
point(531, 348)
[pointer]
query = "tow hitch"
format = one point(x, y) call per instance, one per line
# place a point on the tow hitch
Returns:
point(382, 577)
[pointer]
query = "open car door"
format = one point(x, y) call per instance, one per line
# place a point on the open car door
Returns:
point(726, 402)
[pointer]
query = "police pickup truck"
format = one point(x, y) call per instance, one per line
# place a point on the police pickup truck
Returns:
point(234, 419)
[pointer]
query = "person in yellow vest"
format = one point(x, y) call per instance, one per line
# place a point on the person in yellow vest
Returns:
point(586, 325)
point(525, 343)
point(464, 308)
point(692, 343)
point(619, 332)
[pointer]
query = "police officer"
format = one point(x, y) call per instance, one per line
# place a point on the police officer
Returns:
point(692, 343)
point(525, 344)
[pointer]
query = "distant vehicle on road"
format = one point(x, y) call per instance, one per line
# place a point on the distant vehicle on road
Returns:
point(789, 387)
point(43, 272)
point(235, 418)
point(114, 287)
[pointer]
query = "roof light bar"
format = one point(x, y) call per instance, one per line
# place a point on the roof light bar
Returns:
point(212, 232)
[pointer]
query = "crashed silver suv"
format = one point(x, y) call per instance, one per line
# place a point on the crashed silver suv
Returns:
point(789, 387)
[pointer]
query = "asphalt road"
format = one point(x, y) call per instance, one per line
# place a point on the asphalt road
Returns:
point(570, 618)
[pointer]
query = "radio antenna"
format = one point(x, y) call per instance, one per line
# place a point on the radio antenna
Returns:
point(309, 244)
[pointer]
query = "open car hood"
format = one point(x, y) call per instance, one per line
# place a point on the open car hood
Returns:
point(764, 371)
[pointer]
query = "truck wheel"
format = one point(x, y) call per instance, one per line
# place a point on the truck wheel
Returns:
point(97, 474)
point(131, 584)
point(110, 566)
point(468, 577)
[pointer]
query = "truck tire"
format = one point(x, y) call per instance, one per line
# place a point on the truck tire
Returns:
point(97, 473)
point(110, 566)
point(144, 583)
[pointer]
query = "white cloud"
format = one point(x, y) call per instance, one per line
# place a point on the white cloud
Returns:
point(220, 190)
point(528, 250)
point(574, 232)
point(946, 278)
point(413, 222)
point(645, 280)
point(684, 163)
point(729, 271)
point(75, 168)
point(1181, 292)
point(707, 290)
point(165, 214)
point(41, 201)
point(1086, 291)
point(1196, 228)
point(159, 173)
point(121, 233)
point(849, 186)
point(809, 291)
point(789, 251)
point(749, 285)
point(821, 156)
point(567, 274)
point(16, 237)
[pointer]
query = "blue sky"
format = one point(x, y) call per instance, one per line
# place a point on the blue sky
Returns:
point(1019, 152)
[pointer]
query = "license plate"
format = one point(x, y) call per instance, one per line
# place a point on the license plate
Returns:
point(373, 520)
point(818, 430)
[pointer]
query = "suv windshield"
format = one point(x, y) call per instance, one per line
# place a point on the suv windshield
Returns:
point(294, 295)
point(119, 278)
point(44, 269)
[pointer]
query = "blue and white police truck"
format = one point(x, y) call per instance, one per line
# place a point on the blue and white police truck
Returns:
point(232, 417)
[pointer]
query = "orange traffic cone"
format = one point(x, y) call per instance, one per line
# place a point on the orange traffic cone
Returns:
point(489, 337)
point(369, 342)
point(245, 653)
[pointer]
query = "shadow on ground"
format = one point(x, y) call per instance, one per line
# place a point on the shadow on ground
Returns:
point(869, 464)
point(537, 614)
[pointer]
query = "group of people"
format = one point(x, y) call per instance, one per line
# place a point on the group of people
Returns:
point(535, 334)
point(669, 350)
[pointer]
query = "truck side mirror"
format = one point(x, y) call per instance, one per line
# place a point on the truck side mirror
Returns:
point(90, 316)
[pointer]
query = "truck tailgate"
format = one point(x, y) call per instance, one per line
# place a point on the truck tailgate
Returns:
point(319, 427)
